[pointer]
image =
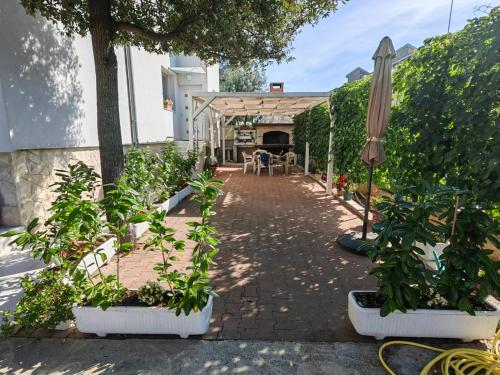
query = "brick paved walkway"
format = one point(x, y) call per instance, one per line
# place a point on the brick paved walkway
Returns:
point(279, 274)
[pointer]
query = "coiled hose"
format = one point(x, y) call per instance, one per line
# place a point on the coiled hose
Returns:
point(458, 361)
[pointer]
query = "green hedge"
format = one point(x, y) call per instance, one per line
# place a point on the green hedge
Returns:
point(350, 103)
point(313, 126)
point(444, 125)
point(448, 104)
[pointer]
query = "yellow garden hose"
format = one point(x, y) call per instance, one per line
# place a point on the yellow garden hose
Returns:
point(458, 361)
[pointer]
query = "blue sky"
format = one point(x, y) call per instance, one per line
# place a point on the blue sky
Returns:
point(324, 54)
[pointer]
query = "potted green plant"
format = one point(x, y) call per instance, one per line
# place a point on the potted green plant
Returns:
point(72, 242)
point(159, 178)
point(417, 302)
point(350, 188)
point(211, 164)
point(184, 306)
point(168, 104)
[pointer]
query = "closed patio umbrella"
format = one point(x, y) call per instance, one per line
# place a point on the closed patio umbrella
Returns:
point(377, 117)
point(379, 107)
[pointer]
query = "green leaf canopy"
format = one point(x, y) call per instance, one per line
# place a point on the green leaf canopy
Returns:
point(232, 30)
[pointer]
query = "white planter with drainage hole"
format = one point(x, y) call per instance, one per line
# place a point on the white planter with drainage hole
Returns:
point(140, 228)
point(451, 324)
point(141, 320)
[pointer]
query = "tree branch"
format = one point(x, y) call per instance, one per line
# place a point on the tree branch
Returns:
point(153, 35)
point(144, 33)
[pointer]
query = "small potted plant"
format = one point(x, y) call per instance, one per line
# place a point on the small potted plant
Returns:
point(211, 164)
point(341, 183)
point(413, 301)
point(350, 188)
point(168, 104)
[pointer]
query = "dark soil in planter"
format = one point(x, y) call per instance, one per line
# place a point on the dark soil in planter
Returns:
point(132, 299)
point(368, 300)
point(371, 300)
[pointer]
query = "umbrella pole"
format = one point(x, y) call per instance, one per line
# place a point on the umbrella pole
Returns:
point(368, 198)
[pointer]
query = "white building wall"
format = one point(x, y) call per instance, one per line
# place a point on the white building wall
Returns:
point(154, 123)
point(213, 78)
point(48, 106)
point(47, 81)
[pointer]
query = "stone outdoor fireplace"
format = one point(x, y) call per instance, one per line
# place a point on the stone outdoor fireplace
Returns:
point(275, 137)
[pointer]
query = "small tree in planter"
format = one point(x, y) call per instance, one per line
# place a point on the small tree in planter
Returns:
point(140, 175)
point(406, 214)
point(188, 292)
point(469, 275)
point(71, 234)
point(421, 296)
point(123, 208)
point(186, 305)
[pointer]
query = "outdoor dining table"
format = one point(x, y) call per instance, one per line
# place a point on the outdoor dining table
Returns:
point(274, 161)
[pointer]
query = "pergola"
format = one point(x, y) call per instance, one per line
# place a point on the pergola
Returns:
point(225, 106)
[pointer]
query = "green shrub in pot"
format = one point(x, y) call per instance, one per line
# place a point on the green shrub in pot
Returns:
point(405, 218)
point(427, 214)
point(469, 274)
point(187, 291)
point(46, 302)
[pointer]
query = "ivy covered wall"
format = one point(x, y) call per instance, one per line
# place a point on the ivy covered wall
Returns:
point(445, 117)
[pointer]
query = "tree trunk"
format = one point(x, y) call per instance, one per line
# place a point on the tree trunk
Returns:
point(106, 72)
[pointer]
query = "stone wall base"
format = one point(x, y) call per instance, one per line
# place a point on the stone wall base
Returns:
point(26, 177)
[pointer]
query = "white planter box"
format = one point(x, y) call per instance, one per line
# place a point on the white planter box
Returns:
point(185, 193)
point(141, 320)
point(171, 203)
point(422, 323)
point(140, 228)
point(89, 261)
point(429, 249)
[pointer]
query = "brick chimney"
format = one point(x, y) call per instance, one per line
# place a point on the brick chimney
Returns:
point(276, 87)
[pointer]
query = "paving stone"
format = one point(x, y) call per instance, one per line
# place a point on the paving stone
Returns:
point(278, 255)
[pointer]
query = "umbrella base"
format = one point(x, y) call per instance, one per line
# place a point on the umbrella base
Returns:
point(352, 242)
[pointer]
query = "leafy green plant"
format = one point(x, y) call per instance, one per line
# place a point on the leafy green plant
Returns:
point(176, 171)
point(157, 176)
point(447, 103)
point(151, 293)
point(444, 117)
point(188, 291)
point(46, 302)
point(76, 225)
point(469, 275)
point(75, 230)
point(140, 176)
point(406, 217)
point(427, 214)
point(313, 126)
point(123, 208)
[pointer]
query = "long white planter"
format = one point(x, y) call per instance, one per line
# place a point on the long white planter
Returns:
point(89, 261)
point(140, 228)
point(141, 320)
point(422, 322)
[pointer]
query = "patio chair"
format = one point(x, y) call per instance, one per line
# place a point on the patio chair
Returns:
point(290, 159)
point(278, 161)
point(255, 155)
point(264, 160)
point(248, 160)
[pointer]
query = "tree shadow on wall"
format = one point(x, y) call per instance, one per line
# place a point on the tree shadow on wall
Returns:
point(39, 79)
